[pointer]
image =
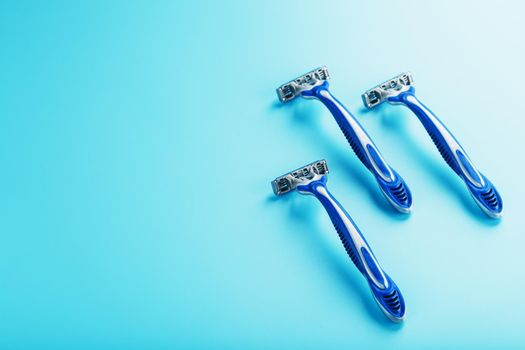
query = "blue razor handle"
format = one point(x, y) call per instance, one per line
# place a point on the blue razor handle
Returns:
point(314, 85)
point(391, 183)
point(481, 189)
point(385, 291)
point(400, 90)
point(311, 180)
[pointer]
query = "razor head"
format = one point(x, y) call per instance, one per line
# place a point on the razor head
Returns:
point(292, 89)
point(391, 87)
point(288, 182)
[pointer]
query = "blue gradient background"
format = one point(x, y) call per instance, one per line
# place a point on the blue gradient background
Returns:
point(137, 145)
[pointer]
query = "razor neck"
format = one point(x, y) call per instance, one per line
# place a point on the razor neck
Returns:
point(324, 95)
point(357, 137)
point(408, 98)
point(425, 115)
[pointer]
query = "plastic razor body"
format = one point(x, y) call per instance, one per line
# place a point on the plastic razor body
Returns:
point(314, 85)
point(311, 179)
point(400, 90)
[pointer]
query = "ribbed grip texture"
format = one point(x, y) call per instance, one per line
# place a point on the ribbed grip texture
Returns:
point(490, 198)
point(443, 149)
point(400, 192)
point(356, 146)
point(349, 247)
point(392, 301)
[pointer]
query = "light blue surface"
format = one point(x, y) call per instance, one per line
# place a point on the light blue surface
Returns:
point(138, 142)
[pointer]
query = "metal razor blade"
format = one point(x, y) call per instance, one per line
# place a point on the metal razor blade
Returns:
point(288, 182)
point(293, 88)
point(381, 92)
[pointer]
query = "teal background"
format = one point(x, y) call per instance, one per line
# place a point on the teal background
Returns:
point(137, 145)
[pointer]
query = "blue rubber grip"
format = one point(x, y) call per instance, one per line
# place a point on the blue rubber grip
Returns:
point(391, 183)
point(385, 291)
point(483, 191)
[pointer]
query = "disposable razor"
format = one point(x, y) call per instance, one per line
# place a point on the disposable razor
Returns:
point(314, 85)
point(311, 179)
point(400, 90)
